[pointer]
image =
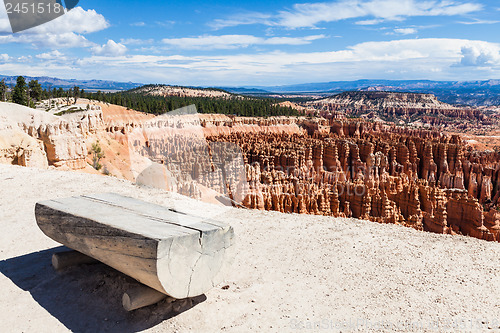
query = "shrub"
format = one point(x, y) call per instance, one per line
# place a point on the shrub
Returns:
point(97, 155)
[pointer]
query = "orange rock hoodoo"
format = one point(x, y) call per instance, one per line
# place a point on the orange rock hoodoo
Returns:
point(417, 178)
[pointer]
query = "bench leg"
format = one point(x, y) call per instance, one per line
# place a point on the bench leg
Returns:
point(141, 296)
point(70, 258)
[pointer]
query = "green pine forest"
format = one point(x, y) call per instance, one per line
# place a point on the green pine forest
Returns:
point(236, 105)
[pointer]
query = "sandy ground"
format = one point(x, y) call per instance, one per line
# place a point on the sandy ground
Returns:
point(292, 273)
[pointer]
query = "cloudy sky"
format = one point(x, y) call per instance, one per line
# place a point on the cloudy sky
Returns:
point(242, 43)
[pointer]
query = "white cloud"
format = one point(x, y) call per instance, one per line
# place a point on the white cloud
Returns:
point(482, 55)
point(435, 58)
point(405, 31)
point(308, 15)
point(134, 41)
point(369, 22)
point(477, 21)
point(209, 42)
point(4, 57)
point(110, 49)
point(77, 20)
point(165, 24)
point(48, 40)
point(4, 19)
point(292, 40)
point(242, 19)
point(25, 59)
point(138, 24)
point(53, 55)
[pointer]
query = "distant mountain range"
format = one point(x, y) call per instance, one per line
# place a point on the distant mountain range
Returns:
point(453, 92)
point(83, 84)
point(335, 86)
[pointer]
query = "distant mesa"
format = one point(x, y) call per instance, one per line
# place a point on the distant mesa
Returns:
point(474, 93)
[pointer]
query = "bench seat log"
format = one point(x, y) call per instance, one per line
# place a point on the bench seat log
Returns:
point(174, 253)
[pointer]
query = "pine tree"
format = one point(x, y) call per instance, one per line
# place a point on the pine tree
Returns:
point(35, 90)
point(3, 91)
point(76, 93)
point(19, 93)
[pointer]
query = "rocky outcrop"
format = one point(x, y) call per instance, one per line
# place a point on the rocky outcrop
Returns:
point(393, 105)
point(65, 140)
point(195, 168)
point(18, 148)
point(165, 91)
point(35, 138)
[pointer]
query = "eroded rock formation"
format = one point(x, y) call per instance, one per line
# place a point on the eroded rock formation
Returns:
point(393, 106)
point(34, 138)
point(417, 178)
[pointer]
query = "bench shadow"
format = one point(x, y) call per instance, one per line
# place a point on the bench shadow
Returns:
point(87, 298)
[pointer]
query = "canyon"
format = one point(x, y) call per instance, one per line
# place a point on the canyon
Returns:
point(421, 178)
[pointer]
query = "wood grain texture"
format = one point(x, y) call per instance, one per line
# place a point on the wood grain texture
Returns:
point(175, 253)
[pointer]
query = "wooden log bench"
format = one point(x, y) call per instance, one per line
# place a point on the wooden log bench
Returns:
point(173, 253)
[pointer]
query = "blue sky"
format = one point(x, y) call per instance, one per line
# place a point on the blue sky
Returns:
point(260, 42)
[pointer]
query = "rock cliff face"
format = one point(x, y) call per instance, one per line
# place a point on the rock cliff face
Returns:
point(66, 140)
point(17, 147)
point(34, 138)
point(193, 167)
point(391, 105)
